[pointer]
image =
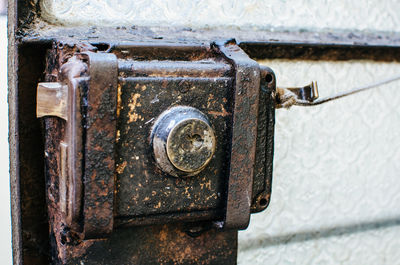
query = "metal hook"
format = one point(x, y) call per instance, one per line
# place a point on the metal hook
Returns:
point(307, 96)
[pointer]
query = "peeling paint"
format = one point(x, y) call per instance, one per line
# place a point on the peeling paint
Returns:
point(133, 116)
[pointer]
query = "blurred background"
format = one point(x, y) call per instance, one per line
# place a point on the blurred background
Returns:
point(5, 216)
point(3, 7)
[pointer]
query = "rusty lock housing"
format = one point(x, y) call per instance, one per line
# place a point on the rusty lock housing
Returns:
point(157, 133)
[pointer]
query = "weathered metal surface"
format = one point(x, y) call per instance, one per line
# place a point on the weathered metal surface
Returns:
point(67, 243)
point(304, 47)
point(63, 190)
point(183, 141)
point(173, 244)
point(197, 65)
point(54, 130)
point(143, 89)
point(265, 141)
point(99, 150)
point(202, 79)
point(12, 82)
point(83, 205)
point(154, 78)
point(260, 44)
point(246, 92)
point(90, 129)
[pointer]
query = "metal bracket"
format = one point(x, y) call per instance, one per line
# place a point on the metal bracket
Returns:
point(99, 144)
point(244, 135)
point(306, 93)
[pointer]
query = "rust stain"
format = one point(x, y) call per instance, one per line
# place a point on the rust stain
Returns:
point(93, 176)
point(164, 84)
point(206, 185)
point(187, 193)
point(121, 167)
point(119, 100)
point(133, 116)
point(222, 113)
point(77, 252)
point(176, 247)
point(118, 136)
point(210, 100)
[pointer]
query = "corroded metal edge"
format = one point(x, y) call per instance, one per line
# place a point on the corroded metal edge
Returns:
point(71, 73)
point(265, 141)
point(40, 29)
point(63, 140)
point(32, 26)
point(244, 135)
point(68, 227)
point(168, 244)
point(13, 133)
point(100, 144)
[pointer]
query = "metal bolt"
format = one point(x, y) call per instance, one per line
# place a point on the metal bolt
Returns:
point(183, 141)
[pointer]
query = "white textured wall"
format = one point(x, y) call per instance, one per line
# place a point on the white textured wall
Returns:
point(336, 172)
point(343, 14)
point(376, 246)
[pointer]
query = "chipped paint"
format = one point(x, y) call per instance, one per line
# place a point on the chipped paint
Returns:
point(119, 103)
point(121, 167)
point(222, 113)
point(133, 104)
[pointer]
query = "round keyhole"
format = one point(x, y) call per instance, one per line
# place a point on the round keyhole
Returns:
point(195, 140)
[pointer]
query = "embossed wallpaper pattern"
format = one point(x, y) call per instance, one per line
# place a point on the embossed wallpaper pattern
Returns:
point(336, 172)
point(344, 14)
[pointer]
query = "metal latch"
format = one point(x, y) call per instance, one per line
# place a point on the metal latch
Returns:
point(86, 151)
point(156, 134)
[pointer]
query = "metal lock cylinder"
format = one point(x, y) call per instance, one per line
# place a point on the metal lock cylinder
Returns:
point(183, 141)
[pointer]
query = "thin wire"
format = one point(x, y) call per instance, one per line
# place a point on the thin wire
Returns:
point(347, 93)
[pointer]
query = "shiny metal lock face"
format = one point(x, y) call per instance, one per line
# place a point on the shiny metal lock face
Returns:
point(183, 141)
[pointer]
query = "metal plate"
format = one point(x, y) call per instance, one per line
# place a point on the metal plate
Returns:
point(196, 78)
